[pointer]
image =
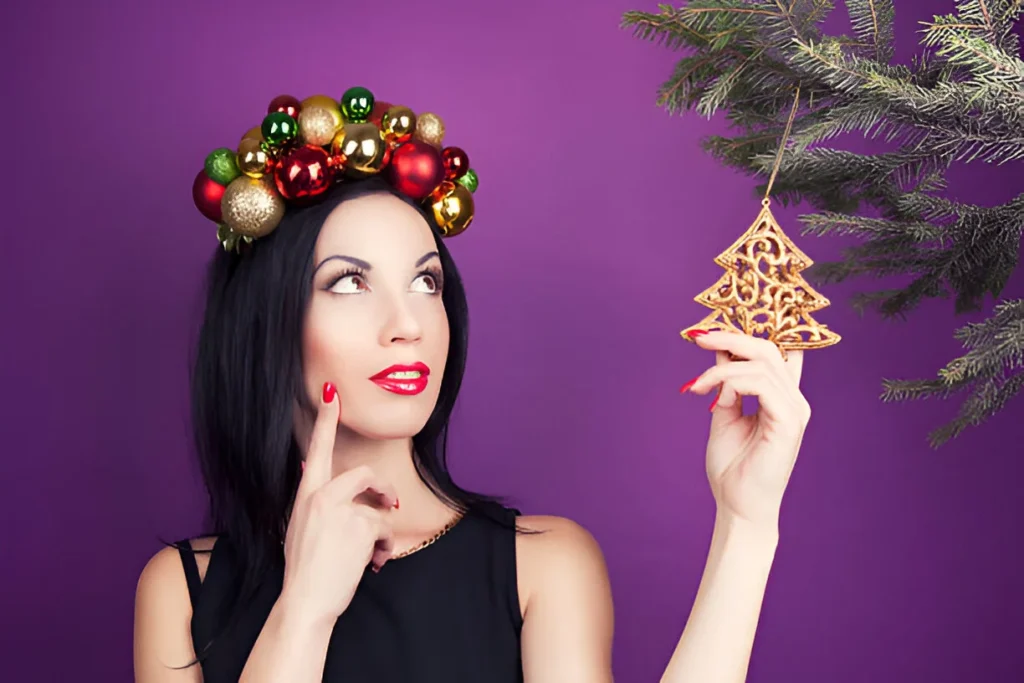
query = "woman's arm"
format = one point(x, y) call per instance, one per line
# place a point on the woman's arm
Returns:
point(719, 635)
point(568, 616)
point(290, 647)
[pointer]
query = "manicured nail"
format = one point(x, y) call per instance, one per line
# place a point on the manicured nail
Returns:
point(396, 504)
point(303, 465)
point(714, 403)
point(686, 387)
point(329, 392)
point(693, 334)
point(375, 568)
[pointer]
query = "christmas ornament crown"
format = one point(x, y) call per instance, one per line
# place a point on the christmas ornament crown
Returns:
point(302, 148)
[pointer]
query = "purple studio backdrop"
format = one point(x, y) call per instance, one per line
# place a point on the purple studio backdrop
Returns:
point(598, 218)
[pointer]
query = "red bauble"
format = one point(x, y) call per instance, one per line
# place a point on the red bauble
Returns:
point(378, 112)
point(303, 173)
point(456, 162)
point(207, 194)
point(416, 169)
point(286, 104)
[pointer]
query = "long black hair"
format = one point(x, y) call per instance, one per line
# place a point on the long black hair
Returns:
point(247, 375)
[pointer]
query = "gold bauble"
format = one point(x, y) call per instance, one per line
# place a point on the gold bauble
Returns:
point(251, 207)
point(362, 147)
point(398, 124)
point(430, 129)
point(255, 133)
point(325, 102)
point(453, 208)
point(317, 126)
point(253, 159)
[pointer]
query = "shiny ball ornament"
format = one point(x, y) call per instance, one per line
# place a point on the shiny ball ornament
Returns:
point(252, 207)
point(303, 173)
point(356, 105)
point(452, 207)
point(317, 126)
point(398, 124)
point(285, 104)
point(221, 166)
point(252, 158)
point(207, 194)
point(279, 128)
point(325, 102)
point(429, 129)
point(256, 133)
point(469, 179)
point(456, 162)
point(362, 149)
point(416, 168)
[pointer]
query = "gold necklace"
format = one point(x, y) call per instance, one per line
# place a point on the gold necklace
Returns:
point(430, 541)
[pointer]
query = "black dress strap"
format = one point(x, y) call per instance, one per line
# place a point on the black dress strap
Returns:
point(188, 561)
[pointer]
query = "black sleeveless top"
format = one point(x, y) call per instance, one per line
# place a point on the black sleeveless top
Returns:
point(448, 613)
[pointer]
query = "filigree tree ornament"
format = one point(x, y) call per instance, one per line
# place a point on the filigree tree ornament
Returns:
point(762, 292)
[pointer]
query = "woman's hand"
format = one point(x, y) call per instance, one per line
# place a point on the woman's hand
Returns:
point(750, 457)
point(336, 528)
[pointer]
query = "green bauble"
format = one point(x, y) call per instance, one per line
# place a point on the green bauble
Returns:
point(356, 105)
point(278, 128)
point(469, 180)
point(221, 166)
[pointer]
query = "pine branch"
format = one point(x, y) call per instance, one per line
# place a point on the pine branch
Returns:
point(960, 100)
point(991, 371)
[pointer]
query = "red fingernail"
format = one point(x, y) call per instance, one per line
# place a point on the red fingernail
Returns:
point(687, 386)
point(396, 503)
point(375, 568)
point(329, 392)
point(714, 403)
point(695, 333)
point(303, 465)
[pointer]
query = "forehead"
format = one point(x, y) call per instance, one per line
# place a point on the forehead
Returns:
point(374, 227)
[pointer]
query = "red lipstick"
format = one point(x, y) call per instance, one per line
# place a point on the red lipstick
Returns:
point(407, 380)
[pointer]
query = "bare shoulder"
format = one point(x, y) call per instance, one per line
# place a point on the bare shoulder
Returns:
point(555, 555)
point(163, 614)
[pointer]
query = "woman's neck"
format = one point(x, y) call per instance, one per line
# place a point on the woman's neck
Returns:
point(420, 510)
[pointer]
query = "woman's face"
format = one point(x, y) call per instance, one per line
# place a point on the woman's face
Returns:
point(376, 325)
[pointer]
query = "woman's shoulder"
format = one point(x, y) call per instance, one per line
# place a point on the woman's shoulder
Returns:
point(558, 561)
point(164, 570)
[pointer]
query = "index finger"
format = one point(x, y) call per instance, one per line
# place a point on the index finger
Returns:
point(319, 455)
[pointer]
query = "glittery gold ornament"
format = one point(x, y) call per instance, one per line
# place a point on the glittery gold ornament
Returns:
point(253, 159)
point(251, 206)
point(317, 126)
point(362, 147)
point(762, 293)
point(256, 133)
point(398, 124)
point(325, 102)
point(453, 208)
point(430, 129)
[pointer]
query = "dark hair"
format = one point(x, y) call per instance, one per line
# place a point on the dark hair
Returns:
point(247, 374)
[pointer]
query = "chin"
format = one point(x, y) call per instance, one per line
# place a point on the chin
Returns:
point(392, 422)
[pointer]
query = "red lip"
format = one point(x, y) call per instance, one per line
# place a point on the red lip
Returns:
point(404, 386)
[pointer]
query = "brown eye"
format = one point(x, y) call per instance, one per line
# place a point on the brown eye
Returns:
point(425, 283)
point(351, 283)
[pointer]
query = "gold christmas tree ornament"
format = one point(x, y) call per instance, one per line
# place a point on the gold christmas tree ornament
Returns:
point(762, 293)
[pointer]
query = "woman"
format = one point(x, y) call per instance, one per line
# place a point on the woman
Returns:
point(330, 358)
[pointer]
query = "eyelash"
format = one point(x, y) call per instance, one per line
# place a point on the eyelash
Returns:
point(432, 271)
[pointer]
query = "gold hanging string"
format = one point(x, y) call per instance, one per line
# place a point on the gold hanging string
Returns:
point(782, 147)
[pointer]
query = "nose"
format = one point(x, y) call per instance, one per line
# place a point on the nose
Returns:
point(402, 325)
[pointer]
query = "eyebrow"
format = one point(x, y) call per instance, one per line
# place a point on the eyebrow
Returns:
point(360, 263)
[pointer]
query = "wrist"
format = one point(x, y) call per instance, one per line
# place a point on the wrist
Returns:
point(755, 539)
point(295, 617)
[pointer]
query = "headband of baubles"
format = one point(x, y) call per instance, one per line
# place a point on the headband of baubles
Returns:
point(302, 148)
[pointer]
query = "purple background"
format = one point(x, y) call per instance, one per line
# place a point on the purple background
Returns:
point(598, 218)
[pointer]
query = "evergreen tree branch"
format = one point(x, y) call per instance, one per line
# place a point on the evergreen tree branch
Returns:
point(960, 100)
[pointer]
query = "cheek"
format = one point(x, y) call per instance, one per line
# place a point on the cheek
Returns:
point(327, 343)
